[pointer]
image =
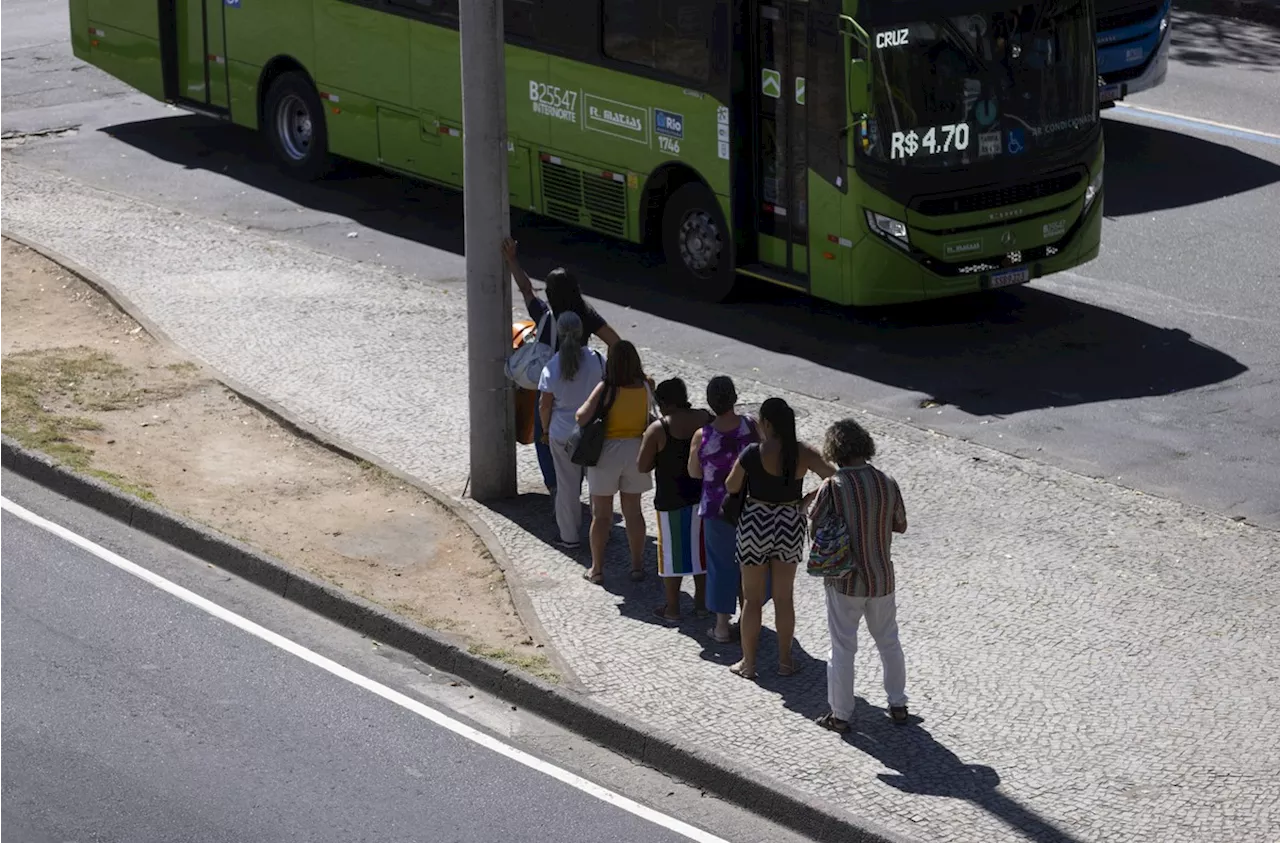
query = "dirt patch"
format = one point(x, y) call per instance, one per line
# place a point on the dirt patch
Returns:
point(85, 384)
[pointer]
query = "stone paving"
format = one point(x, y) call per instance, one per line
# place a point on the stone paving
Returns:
point(1090, 663)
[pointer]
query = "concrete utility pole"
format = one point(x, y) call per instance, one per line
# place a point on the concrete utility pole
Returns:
point(486, 208)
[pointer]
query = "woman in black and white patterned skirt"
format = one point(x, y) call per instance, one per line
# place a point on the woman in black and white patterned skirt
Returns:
point(772, 532)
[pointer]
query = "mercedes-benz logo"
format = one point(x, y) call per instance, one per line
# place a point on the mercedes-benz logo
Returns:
point(1008, 239)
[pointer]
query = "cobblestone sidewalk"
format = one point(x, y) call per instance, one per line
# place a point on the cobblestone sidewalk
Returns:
point(1090, 663)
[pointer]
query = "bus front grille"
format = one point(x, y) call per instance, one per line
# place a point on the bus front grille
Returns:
point(596, 200)
point(986, 200)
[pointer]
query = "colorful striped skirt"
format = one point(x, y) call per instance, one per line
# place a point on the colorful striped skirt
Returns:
point(681, 551)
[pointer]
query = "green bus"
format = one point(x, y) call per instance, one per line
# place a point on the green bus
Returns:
point(863, 151)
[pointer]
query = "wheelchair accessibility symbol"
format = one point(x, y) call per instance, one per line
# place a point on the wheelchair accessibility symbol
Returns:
point(1017, 142)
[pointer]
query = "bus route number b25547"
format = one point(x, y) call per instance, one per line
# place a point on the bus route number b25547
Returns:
point(930, 141)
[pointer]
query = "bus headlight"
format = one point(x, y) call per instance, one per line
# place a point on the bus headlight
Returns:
point(1091, 192)
point(895, 231)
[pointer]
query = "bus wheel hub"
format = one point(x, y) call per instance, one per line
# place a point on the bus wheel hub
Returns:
point(293, 124)
point(699, 241)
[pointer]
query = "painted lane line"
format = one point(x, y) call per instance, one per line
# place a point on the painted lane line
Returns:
point(439, 718)
point(1200, 123)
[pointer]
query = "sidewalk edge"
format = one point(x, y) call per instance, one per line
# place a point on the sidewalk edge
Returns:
point(568, 708)
point(1252, 11)
point(567, 705)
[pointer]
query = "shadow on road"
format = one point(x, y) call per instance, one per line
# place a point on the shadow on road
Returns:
point(992, 354)
point(1205, 40)
point(1141, 159)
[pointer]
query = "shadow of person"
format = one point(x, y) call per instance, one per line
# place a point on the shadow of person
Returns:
point(924, 767)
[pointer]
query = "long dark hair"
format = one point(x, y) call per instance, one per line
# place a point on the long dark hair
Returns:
point(623, 368)
point(563, 293)
point(782, 419)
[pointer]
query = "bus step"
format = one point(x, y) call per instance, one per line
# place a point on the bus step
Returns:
point(776, 275)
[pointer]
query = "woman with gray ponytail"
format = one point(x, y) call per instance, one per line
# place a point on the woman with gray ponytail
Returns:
point(566, 383)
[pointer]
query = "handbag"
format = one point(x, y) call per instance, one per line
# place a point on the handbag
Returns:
point(524, 366)
point(587, 442)
point(731, 506)
point(831, 552)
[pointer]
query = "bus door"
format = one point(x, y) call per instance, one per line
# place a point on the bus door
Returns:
point(200, 52)
point(782, 138)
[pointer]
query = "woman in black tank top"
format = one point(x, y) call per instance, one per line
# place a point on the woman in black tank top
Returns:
point(772, 531)
point(665, 451)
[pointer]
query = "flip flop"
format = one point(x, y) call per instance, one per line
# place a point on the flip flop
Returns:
point(594, 579)
point(637, 576)
point(788, 669)
point(711, 633)
point(737, 670)
point(661, 614)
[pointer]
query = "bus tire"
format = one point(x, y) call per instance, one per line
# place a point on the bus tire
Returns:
point(293, 120)
point(696, 241)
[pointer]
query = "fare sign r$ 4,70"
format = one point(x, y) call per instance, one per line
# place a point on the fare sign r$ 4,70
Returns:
point(931, 141)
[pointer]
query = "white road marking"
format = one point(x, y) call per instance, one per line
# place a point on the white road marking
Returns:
point(1145, 110)
point(440, 719)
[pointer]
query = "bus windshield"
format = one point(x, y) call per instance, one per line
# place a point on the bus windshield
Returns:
point(952, 91)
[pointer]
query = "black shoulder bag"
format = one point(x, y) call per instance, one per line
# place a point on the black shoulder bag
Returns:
point(587, 442)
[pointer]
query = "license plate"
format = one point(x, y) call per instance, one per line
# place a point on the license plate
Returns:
point(1109, 93)
point(1009, 277)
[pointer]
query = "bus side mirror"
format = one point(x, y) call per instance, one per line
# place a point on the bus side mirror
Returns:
point(859, 88)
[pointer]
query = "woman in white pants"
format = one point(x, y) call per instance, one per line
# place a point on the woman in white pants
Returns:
point(567, 380)
point(870, 503)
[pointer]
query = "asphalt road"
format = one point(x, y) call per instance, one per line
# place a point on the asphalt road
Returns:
point(129, 714)
point(1153, 366)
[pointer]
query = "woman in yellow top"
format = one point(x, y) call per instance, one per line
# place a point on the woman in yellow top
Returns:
point(623, 398)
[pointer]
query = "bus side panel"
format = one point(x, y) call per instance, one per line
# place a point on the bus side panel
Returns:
point(255, 33)
point(133, 59)
point(79, 13)
point(434, 59)
point(242, 82)
point(362, 57)
point(363, 51)
point(826, 204)
point(140, 17)
point(635, 125)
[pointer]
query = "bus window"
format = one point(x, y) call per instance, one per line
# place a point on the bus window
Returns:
point(666, 35)
point(553, 25)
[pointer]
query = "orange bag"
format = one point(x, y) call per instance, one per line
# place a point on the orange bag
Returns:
point(526, 399)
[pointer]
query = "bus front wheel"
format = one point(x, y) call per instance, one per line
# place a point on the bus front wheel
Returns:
point(293, 120)
point(696, 241)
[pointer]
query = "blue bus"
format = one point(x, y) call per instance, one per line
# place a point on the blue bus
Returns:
point(1133, 47)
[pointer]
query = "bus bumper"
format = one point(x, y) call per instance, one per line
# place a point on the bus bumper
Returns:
point(905, 280)
point(1120, 83)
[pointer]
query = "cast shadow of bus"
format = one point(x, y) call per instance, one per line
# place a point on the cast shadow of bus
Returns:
point(993, 354)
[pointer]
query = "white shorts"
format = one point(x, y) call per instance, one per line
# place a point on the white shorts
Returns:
point(616, 471)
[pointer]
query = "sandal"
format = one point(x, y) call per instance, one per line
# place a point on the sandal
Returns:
point(660, 613)
point(739, 670)
point(594, 579)
point(637, 575)
point(711, 633)
point(788, 669)
point(835, 724)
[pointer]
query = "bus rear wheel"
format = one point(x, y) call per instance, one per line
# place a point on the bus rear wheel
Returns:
point(696, 242)
point(293, 120)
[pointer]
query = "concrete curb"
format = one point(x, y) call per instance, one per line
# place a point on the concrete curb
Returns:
point(1253, 11)
point(565, 705)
